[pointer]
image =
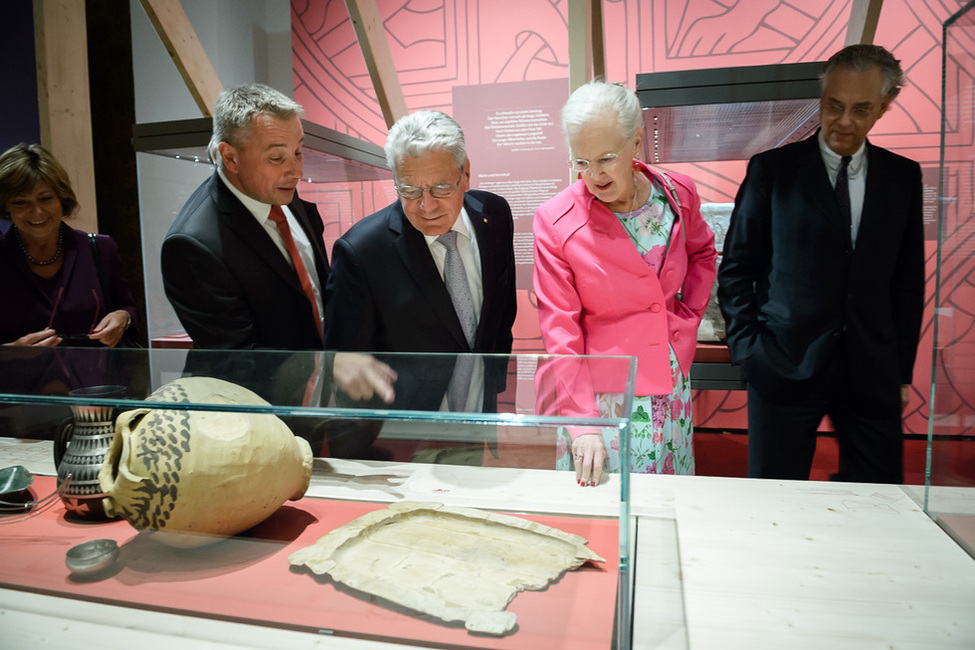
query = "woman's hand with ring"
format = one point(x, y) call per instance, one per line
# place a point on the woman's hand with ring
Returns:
point(588, 454)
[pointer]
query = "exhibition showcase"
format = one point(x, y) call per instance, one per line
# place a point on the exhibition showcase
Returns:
point(243, 498)
point(438, 505)
point(953, 366)
point(396, 562)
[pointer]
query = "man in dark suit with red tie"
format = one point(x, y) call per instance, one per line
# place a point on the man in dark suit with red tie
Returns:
point(244, 264)
point(236, 278)
point(822, 283)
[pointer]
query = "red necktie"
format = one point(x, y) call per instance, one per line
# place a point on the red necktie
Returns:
point(277, 216)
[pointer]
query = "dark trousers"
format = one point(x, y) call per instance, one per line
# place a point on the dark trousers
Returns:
point(782, 434)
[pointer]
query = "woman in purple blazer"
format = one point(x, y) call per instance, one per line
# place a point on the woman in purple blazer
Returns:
point(51, 292)
point(624, 265)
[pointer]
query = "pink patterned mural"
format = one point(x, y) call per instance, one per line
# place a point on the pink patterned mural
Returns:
point(440, 46)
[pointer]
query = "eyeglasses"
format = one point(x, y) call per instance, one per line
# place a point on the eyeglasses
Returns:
point(440, 191)
point(605, 161)
point(857, 113)
point(94, 321)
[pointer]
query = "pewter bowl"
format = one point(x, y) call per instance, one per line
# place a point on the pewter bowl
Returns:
point(14, 479)
point(92, 556)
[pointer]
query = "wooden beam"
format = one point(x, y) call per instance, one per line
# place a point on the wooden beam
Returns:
point(61, 43)
point(180, 39)
point(864, 16)
point(371, 34)
point(587, 50)
point(598, 42)
point(580, 42)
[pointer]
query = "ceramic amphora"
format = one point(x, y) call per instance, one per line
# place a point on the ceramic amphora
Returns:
point(198, 476)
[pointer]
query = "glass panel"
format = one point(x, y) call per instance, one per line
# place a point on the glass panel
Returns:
point(504, 457)
point(165, 184)
point(950, 493)
point(736, 131)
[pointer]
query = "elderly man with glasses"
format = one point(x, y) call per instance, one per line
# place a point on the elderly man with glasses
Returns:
point(432, 272)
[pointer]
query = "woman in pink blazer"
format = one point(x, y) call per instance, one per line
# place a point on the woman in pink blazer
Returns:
point(624, 265)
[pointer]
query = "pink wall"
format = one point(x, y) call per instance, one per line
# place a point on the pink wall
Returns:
point(449, 54)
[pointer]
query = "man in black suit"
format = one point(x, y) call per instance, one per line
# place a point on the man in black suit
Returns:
point(244, 265)
point(389, 289)
point(822, 283)
point(226, 265)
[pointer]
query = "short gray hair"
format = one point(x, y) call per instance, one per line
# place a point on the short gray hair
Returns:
point(418, 133)
point(238, 106)
point(861, 58)
point(591, 100)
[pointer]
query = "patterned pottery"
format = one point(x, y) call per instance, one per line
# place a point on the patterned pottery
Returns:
point(198, 476)
point(80, 449)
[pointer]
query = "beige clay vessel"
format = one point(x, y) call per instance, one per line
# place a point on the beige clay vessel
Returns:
point(199, 476)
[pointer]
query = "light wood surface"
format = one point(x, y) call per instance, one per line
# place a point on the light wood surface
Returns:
point(587, 51)
point(864, 16)
point(720, 563)
point(371, 35)
point(64, 107)
point(178, 36)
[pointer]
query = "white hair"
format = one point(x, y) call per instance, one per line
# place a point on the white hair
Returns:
point(417, 133)
point(597, 98)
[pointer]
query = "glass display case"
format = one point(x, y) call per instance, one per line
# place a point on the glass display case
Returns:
point(727, 113)
point(507, 454)
point(949, 496)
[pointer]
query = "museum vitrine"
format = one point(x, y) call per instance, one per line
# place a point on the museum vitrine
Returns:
point(266, 487)
point(950, 486)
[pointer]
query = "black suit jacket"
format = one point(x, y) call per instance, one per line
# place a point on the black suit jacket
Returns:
point(230, 285)
point(794, 291)
point(384, 292)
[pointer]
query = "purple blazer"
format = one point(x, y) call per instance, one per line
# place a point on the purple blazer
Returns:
point(27, 301)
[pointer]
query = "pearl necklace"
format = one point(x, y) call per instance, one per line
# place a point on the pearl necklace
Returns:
point(31, 259)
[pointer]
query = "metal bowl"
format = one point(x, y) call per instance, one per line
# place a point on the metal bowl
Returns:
point(14, 479)
point(92, 556)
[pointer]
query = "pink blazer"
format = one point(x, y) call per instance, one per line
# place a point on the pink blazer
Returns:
point(596, 295)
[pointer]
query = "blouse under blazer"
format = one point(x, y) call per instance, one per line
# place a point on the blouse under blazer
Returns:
point(597, 296)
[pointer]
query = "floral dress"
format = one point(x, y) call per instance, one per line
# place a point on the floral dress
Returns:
point(661, 425)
